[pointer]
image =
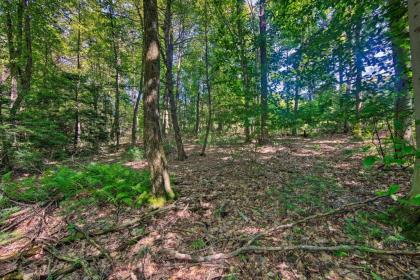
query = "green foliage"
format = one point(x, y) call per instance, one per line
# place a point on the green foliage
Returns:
point(369, 161)
point(361, 227)
point(375, 276)
point(133, 154)
point(105, 183)
point(198, 244)
point(392, 190)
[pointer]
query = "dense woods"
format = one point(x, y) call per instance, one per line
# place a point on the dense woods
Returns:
point(243, 118)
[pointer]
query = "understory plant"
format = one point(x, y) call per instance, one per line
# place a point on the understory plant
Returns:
point(104, 183)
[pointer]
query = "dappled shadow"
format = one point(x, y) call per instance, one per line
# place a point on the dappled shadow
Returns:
point(224, 198)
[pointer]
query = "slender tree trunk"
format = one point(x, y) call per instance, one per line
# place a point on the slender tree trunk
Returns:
point(296, 108)
point(400, 57)
point(414, 23)
point(197, 112)
point(152, 134)
point(178, 79)
point(169, 79)
point(134, 126)
point(244, 68)
point(117, 64)
point(358, 84)
point(165, 120)
point(4, 76)
point(76, 139)
point(137, 106)
point(206, 58)
point(23, 50)
point(342, 89)
point(264, 73)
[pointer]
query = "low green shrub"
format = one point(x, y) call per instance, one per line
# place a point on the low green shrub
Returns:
point(133, 154)
point(105, 183)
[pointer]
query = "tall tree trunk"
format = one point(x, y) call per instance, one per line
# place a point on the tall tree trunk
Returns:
point(244, 68)
point(134, 126)
point(197, 112)
point(206, 58)
point(400, 57)
point(21, 73)
point(414, 23)
point(169, 79)
point(358, 83)
point(296, 108)
point(264, 73)
point(117, 65)
point(178, 79)
point(165, 116)
point(23, 50)
point(152, 134)
point(76, 139)
point(343, 90)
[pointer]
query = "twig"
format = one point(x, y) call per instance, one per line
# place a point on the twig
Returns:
point(94, 243)
point(118, 228)
point(248, 247)
point(322, 215)
point(75, 263)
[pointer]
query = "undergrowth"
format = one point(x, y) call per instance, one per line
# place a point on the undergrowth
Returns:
point(101, 183)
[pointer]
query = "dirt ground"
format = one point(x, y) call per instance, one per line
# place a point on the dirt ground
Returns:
point(225, 198)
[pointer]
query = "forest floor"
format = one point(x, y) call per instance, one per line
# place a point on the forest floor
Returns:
point(224, 200)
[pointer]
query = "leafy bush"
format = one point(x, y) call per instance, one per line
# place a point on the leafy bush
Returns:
point(133, 154)
point(105, 183)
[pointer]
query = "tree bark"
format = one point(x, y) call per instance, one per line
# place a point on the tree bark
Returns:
point(197, 112)
point(400, 57)
point(76, 139)
point(244, 68)
point(414, 23)
point(152, 134)
point(358, 83)
point(169, 79)
point(117, 65)
point(296, 108)
point(137, 106)
point(21, 76)
point(208, 86)
point(264, 73)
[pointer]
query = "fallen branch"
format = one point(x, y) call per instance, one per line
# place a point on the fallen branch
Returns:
point(69, 239)
point(74, 263)
point(341, 248)
point(117, 228)
point(94, 243)
point(344, 208)
point(248, 247)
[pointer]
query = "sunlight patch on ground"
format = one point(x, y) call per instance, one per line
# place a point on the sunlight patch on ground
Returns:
point(137, 164)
